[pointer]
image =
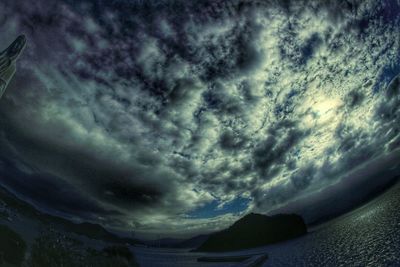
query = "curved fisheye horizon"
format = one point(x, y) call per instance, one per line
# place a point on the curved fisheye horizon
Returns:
point(210, 147)
point(198, 120)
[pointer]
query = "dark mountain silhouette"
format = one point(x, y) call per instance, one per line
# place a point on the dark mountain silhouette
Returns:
point(254, 230)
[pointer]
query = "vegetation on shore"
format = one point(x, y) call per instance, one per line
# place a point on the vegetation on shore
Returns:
point(59, 250)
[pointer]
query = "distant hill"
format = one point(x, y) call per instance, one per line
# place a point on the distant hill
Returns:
point(90, 230)
point(193, 242)
point(96, 231)
point(163, 242)
point(255, 230)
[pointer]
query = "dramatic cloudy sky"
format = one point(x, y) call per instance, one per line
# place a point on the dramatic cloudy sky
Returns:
point(179, 116)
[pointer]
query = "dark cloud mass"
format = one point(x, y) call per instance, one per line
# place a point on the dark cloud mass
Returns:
point(140, 113)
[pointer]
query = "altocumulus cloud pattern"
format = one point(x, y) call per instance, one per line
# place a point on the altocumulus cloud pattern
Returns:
point(143, 114)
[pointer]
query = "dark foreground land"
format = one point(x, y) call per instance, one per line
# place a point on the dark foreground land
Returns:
point(29, 238)
point(58, 249)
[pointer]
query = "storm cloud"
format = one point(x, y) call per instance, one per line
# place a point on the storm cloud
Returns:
point(146, 112)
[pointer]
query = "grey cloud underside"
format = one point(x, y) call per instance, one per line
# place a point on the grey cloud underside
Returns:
point(148, 111)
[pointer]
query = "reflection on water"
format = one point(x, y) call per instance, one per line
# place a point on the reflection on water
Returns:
point(369, 236)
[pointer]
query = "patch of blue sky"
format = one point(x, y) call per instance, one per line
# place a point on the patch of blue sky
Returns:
point(386, 76)
point(214, 208)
